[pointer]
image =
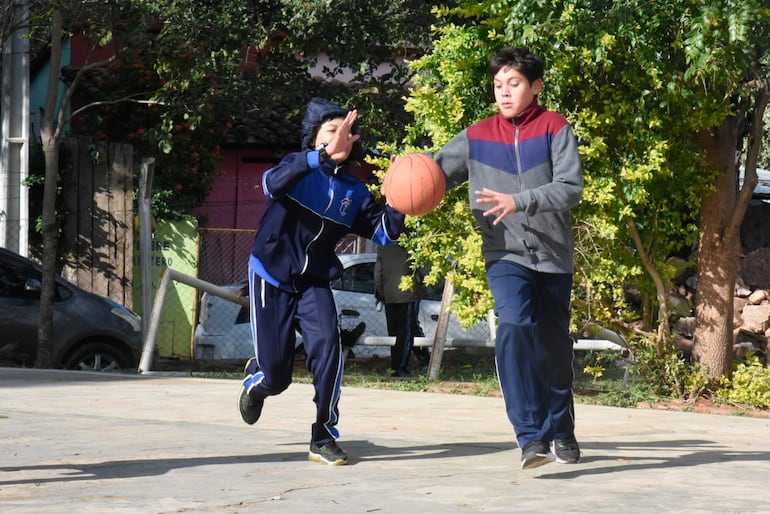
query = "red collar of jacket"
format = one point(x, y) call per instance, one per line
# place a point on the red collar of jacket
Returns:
point(528, 114)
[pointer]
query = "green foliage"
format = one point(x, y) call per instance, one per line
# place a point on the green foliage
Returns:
point(749, 385)
point(183, 69)
point(595, 364)
point(667, 374)
point(638, 81)
point(618, 396)
point(764, 154)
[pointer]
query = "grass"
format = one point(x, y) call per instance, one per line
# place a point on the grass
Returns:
point(471, 371)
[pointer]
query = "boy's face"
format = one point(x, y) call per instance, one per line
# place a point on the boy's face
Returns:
point(513, 92)
point(326, 131)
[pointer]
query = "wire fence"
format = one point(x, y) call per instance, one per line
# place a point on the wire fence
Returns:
point(222, 330)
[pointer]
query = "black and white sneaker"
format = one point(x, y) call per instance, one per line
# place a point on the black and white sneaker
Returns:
point(329, 453)
point(535, 454)
point(249, 406)
point(566, 451)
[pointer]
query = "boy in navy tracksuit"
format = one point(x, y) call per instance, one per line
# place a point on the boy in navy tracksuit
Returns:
point(314, 203)
point(524, 175)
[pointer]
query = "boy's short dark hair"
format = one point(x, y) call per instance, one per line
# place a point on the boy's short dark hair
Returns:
point(520, 59)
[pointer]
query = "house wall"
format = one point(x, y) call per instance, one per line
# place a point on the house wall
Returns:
point(38, 89)
point(236, 199)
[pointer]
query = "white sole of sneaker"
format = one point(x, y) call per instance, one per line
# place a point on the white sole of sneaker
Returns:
point(540, 460)
point(319, 458)
point(560, 460)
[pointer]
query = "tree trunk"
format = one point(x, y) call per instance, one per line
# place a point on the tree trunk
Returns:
point(50, 140)
point(719, 247)
point(722, 213)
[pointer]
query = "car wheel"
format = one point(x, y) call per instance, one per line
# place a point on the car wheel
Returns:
point(98, 357)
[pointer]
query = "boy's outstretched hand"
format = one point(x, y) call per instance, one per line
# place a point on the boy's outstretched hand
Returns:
point(341, 144)
point(502, 204)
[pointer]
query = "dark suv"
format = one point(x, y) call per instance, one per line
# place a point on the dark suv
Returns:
point(90, 332)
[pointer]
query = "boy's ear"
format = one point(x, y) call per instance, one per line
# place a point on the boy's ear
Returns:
point(537, 86)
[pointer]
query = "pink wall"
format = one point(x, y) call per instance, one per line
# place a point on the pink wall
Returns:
point(236, 199)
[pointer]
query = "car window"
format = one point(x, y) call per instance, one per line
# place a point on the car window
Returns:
point(20, 280)
point(358, 278)
point(13, 279)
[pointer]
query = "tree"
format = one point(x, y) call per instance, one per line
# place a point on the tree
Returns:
point(738, 33)
point(639, 86)
point(52, 126)
point(9, 21)
point(249, 61)
point(186, 64)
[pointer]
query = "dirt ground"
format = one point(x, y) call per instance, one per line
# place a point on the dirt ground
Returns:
point(707, 406)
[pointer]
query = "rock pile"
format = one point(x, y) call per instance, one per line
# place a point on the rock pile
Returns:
point(751, 307)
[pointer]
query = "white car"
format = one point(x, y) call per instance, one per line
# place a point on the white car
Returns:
point(224, 332)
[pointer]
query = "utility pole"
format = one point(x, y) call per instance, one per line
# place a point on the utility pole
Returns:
point(15, 131)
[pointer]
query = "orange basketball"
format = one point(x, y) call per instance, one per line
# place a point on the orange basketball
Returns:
point(414, 184)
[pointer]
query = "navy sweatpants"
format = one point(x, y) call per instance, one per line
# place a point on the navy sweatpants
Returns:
point(273, 316)
point(533, 350)
point(403, 323)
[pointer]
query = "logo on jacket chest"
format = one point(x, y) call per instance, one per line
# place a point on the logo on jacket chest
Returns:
point(344, 206)
point(346, 202)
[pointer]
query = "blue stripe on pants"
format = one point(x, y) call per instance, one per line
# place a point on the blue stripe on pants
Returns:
point(274, 313)
point(533, 350)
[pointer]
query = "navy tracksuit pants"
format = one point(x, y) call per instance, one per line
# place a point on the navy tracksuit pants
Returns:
point(533, 350)
point(403, 323)
point(274, 313)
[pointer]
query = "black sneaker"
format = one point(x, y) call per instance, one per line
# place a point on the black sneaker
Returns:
point(535, 454)
point(329, 453)
point(566, 450)
point(249, 407)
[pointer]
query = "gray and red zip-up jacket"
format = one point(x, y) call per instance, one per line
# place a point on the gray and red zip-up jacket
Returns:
point(535, 159)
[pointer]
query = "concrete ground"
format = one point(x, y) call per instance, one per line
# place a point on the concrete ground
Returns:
point(75, 442)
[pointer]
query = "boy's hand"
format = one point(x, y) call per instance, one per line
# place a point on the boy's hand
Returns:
point(502, 204)
point(342, 143)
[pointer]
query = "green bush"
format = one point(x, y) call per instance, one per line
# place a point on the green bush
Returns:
point(667, 374)
point(749, 386)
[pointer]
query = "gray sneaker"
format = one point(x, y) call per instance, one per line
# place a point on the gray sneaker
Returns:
point(329, 453)
point(535, 454)
point(566, 451)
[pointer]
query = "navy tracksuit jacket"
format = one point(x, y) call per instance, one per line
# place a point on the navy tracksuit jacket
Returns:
point(312, 207)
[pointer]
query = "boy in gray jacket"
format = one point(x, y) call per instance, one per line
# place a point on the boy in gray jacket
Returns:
point(525, 175)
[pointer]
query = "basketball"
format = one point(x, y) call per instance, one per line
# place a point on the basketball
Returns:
point(414, 184)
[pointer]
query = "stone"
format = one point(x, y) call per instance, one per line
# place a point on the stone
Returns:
point(685, 326)
point(759, 296)
point(738, 305)
point(756, 318)
point(755, 269)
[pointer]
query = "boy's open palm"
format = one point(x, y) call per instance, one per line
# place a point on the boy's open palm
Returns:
point(342, 142)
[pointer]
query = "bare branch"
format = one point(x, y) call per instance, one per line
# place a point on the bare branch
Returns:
point(750, 178)
point(10, 13)
point(129, 98)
